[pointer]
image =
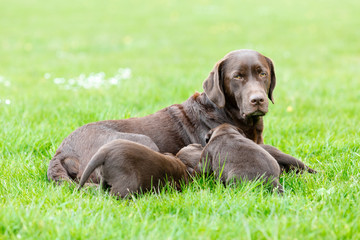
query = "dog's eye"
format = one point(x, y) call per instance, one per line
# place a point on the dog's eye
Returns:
point(263, 74)
point(239, 77)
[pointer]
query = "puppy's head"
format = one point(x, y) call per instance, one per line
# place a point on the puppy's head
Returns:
point(222, 130)
point(190, 156)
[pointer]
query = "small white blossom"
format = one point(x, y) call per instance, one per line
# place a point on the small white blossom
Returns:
point(4, 82)
point(93, 80)
point(47, 75)
point(5, 101)
point(59, 80)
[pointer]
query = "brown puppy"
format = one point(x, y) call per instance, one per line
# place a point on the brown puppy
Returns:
point(191, 155)
point(233, 157)
point(236, 91)
point(73, 167)
point(128, 167)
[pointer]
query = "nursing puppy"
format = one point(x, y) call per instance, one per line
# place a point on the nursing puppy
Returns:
point(72, 167)
point(190, 156)
point(233, 157)
point(128, 167)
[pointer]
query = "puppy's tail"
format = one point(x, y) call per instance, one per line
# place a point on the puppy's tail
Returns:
point(97, 160)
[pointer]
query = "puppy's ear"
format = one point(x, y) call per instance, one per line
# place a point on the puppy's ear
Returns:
point(169, 154)
point(240, 131)
point(273, 79)
point(235, 129)
point(208, 136)
point(213, 85)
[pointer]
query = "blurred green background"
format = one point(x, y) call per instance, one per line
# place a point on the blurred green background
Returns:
point(170, 48)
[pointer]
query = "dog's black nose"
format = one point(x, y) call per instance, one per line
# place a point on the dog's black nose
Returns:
point(257, 99)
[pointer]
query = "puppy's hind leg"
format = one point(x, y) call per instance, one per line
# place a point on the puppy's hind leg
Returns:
point(72, 167)
point(65, 169)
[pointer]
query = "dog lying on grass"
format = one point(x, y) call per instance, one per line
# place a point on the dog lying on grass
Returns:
point(129, 167)
point(236, 91)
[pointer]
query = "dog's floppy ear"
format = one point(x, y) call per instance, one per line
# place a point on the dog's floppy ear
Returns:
point(213, 86)
point(273, 79)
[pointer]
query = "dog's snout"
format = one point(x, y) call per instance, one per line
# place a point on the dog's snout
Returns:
point(257, 99)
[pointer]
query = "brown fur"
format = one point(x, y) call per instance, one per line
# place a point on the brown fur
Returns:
point(128, 167)
point(231, 157)
point(285, 161)
point(192, 154)
point(226, 99)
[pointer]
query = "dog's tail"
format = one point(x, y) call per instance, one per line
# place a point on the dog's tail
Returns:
point(97, 160)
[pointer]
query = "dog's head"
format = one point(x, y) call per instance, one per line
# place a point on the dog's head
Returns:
point(190, 156)
point(242, 82)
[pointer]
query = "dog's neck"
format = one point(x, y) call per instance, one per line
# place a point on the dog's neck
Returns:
point(212, 116)
point(223, 115)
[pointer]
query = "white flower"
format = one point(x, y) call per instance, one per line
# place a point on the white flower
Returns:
point(94, 80)
point(59, 80)
point(125, 73)
point(71, 81)
point(47, 75)
point(114, 81)
point(5, 82)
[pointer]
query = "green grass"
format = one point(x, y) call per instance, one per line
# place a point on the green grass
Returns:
point(171, 47)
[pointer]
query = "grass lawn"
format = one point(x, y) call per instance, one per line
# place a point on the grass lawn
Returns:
point(47, 47)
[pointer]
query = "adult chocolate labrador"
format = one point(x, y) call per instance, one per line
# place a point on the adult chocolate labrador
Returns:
point(236, 92)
